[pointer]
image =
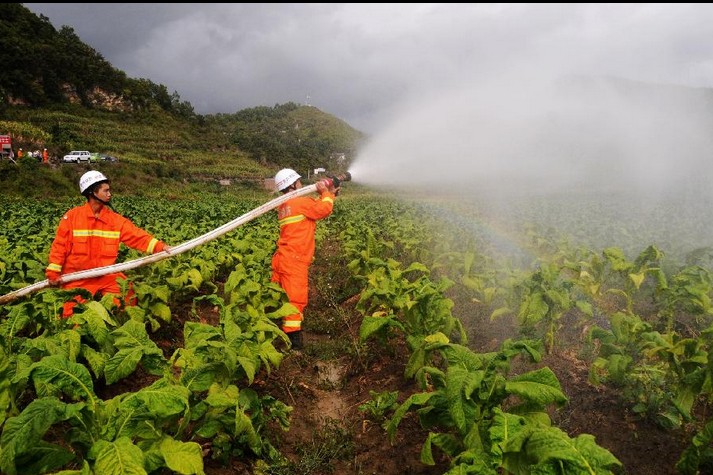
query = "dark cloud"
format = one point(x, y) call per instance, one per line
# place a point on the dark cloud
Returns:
point(361, 62)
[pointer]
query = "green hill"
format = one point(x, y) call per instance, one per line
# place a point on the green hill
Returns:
point(163, 146)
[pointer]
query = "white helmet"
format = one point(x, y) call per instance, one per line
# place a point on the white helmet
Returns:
point(90, 178)
point(285, 178)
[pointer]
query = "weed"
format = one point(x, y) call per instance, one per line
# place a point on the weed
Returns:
point(329, 443)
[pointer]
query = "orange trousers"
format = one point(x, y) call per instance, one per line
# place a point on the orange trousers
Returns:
point(293, 277)
point(106, 284)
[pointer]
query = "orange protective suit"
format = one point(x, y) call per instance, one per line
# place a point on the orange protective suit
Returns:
point(84, 241)
point(295, 250)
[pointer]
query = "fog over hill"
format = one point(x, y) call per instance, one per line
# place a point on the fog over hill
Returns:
point(633, 151)
point(570, 134)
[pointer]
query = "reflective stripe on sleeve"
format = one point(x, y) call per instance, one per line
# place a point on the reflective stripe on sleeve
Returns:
point(152, 245)
point(292, 219)
point(54, 267)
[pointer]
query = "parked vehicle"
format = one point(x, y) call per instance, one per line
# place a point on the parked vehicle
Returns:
point(77, 156)
point(108, 158)
point(6, 147)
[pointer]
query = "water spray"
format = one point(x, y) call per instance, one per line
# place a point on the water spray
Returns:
point(330, 181)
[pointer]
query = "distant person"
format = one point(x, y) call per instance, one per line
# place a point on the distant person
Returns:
point(20, 153)
point(45, 156)
point(295, 247)
point(89, 236)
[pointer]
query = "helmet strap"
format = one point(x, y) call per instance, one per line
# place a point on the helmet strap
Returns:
point(105, 203)
point(93, 194)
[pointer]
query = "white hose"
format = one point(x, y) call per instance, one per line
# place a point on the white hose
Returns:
point(175, 250)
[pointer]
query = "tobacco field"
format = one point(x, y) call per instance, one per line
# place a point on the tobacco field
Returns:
point(462, 343)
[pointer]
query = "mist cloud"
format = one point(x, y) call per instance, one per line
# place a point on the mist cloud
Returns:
point(558, 134)
point(362, 61)
point(507, 96)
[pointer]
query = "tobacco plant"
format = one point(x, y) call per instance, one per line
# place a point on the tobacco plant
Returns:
point(464, 410)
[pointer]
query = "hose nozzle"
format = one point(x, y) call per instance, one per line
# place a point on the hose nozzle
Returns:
point(336, 180)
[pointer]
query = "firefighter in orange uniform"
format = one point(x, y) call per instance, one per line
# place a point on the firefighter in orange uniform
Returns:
point(45, 156)
point(295, 247)
point(88, 236)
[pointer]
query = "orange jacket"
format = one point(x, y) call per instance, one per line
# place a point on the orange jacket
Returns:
point(297, 218)
point(86, 242)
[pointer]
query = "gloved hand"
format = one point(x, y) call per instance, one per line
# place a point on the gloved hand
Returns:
point(335, 184)
point(53, 278)
point(322, 186)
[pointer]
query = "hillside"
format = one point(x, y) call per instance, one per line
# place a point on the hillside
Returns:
point(44, 67)
point(159, 151)
point(163, 146)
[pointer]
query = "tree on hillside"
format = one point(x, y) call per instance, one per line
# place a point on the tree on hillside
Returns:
point(43, 66)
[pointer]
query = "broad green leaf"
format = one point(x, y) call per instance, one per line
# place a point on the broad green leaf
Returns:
point(85, 470)
point(533, 309)
point(244, 426)
point(161, 310)
point(132, 334)
point(540, 387)
point(418, 399)
point(95, 319)
point(616, 258)
point(637, 278)
point(200, 378)
point(24, 431)
point(96, 359)
point(373, 324)
point(582, 455)
point(162, 399)
point(70, 341)
point(249, 366)
point(697, 452)
point(462, 356)
point(222, 397)
point(585, 307)
point(15, 321)
point(122, 364)
point(460, 406)
point(45, 457)
point(120, 457)
point(133, 343)
point(185, 458)
point(499, 312)
point(198, 334)
point(55, 374)
point(269, 355)
point(449, 443)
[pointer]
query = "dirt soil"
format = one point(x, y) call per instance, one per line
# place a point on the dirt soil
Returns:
point(330, 378)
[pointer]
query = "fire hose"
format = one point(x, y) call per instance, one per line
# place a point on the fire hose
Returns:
point(175, 250)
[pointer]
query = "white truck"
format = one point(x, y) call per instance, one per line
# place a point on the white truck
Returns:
point(76, 156)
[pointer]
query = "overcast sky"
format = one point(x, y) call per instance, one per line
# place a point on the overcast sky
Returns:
point(358, 61)
point(439, 87)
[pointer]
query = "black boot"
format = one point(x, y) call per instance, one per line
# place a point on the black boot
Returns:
point(296, 339)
